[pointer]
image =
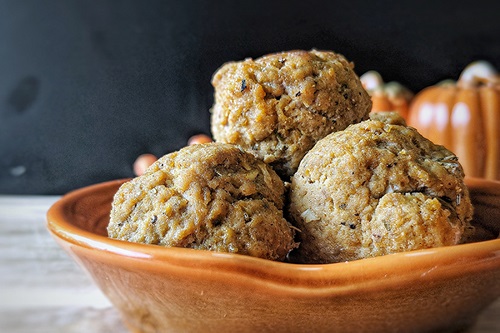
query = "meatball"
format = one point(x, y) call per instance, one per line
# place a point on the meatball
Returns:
point(377, 188)
point(389, 117)
point(278, 106)
point(209, 196)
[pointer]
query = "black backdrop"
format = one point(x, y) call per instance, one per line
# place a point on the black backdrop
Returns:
point(87, 86)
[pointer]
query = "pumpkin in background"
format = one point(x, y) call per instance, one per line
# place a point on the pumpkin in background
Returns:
point(464, 116)
point(391, 96)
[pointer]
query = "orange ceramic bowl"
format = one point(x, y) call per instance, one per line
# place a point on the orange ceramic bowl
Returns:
point(159, 289)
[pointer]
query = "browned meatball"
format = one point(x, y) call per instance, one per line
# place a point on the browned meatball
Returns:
point(278, 106)
point(377, 188)
point(208, 196)
point(389, 117)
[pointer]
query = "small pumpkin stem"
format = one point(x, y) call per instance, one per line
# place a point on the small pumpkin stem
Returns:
point(477, 73)
point(371, 80)
point(394, 89)
point(446, 83)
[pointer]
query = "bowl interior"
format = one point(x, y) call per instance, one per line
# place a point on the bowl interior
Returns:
point(81, 218)
point(88, 209)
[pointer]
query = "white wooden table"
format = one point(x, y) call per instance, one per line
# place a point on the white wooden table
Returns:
point(43, 291)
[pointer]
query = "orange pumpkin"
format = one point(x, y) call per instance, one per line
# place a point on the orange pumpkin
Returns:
point(464, 116)
point(391, 96)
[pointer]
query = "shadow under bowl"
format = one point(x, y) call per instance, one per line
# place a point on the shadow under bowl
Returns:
point(158, 289)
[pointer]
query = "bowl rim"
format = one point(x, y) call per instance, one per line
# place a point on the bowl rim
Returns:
point(383, 271)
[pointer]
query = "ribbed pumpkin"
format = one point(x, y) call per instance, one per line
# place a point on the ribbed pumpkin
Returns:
point(390, 96)
point(464, 116)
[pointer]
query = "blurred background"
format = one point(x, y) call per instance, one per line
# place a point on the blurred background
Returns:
point(87, 86)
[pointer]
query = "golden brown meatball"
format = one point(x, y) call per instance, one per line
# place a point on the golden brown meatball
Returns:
point(278, 106)
point(388, 117)
point(208, 196)
point(377, 188)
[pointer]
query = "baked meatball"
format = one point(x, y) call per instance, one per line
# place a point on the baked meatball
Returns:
point(278, 106)
point(208, 196)
point(388, 117)
point(377, 188)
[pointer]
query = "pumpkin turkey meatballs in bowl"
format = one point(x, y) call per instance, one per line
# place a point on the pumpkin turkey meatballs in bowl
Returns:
point(173, 289)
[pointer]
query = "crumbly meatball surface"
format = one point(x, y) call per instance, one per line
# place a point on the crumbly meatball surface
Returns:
point(278, 106)
point(377, 188)
point(208, 196)
point(388, 117)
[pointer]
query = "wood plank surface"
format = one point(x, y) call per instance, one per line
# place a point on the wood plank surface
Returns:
point(42, 290)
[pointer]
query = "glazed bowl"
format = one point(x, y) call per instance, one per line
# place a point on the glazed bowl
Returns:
point(158, 289)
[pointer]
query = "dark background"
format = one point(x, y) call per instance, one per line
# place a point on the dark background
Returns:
point(87, 86)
